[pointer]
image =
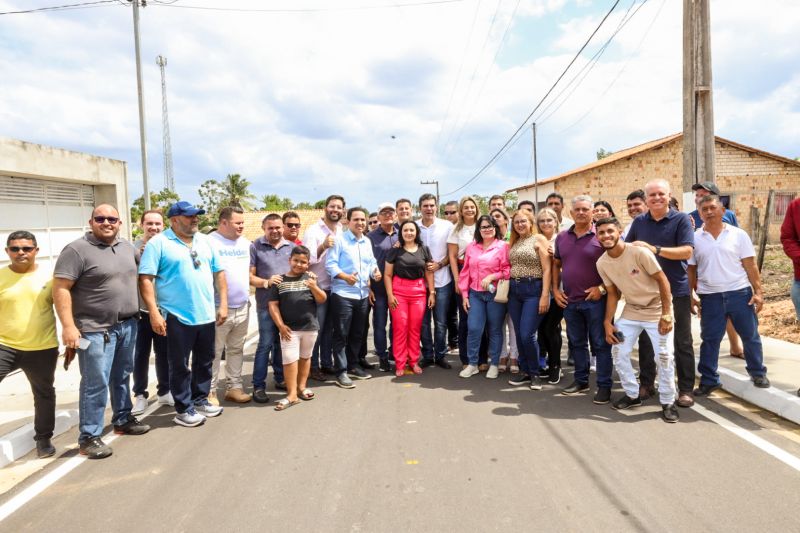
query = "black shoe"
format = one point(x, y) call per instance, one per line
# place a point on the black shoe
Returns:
point(570, 361)
point(519, 380)
point(384, 365)
point(260, 396)
point(603, 396)
point(544, 372)
point(554, 375)
point(317, 375)
point(705, 390)
point(669, 413)
point(44, 448)
point(131, 427)
point(280, 385)
point(536, 383)
point(357, 373)
point(95, 448)
point(575, 388)
point(761, 382)
point(328, 370)
point(425, 363)
point(626, 402)
point(366, 365)
point(442, 363)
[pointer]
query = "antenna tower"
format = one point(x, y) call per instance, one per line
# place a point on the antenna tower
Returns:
point(169, 178)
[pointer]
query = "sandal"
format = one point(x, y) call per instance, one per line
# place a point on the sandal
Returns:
point(514, 366)
point(307, 394)
point(417, 369)
point(284, 404)
point(503, 364)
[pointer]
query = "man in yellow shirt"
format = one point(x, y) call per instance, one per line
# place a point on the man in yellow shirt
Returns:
point(28, 332)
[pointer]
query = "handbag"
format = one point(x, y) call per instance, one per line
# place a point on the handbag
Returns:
point(501, 294)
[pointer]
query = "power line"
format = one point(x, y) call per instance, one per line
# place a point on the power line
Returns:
point(550, 90)
point(82, 5)
point(307, 10)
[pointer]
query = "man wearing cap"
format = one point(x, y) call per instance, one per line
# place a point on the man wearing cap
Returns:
point(177, 278)
point(383, 238)
point(94, 291)
point(704, 189)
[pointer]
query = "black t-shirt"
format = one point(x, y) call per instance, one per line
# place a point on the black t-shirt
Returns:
point(296, 302)
point(409, 265)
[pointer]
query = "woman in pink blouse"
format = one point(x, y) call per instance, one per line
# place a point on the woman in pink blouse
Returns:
point(485, 262)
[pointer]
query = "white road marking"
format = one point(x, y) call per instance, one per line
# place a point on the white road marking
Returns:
point(758, 442)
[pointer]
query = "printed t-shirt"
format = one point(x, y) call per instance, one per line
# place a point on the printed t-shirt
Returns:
point(631, 273)
point(296, 302)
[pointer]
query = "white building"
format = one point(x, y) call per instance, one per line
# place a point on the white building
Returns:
point(51, 192)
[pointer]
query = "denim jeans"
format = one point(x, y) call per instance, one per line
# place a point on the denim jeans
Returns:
point(190, 385)
point(434, 347)
point(484, 312)
point(146, 339)
point(106, 368)
point(39, 367)
point(348, 316)
point(585, 329)
point(621, 353)
point(321, 356)
point(796, 297)
point(380, 317)
point(714, 313)
point(523, 307)
point(268, 343)
point(683, 349)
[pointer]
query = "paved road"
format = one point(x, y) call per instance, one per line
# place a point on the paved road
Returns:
point(427, 453)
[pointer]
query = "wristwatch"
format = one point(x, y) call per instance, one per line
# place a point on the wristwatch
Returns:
point(658, 250)
point(602, 290)
point(667, 318)
point(266, 284)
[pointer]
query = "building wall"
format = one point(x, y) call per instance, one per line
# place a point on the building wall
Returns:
point(252, 221)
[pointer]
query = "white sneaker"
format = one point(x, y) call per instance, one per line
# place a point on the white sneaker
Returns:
point(493, 372)
point(139, 404)
point(470, 371)
point(167, 399)
point(208, 410)
point(189, 419)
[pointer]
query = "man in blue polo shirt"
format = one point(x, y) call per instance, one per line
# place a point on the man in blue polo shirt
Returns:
point(184, 267)
point(383, 238)
point(668, 234)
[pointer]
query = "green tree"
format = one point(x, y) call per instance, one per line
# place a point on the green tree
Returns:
point(236, 192)
point(304, 206)
point(319, 204)
point(158, 200)
point(602, 154)
point(273, 202)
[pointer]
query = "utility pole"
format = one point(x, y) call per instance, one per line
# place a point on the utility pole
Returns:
point(698, 109)
point(169, 177)
point(535, 170)
point(432, 182)
point(142, 136)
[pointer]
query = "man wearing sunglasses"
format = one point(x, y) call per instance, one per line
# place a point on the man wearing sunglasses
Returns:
point(94, 291)
point(177, 276)
point(291, 227)
point(28, 332)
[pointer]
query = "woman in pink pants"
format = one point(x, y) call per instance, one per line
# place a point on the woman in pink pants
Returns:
point(409, 287)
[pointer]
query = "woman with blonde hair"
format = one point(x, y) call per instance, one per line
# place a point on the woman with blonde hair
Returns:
point(550, 327)
point(462, 235)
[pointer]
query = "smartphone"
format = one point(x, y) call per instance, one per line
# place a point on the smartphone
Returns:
point(619, 336)
point(83, 343)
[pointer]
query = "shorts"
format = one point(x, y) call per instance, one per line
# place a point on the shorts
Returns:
point(300, 346)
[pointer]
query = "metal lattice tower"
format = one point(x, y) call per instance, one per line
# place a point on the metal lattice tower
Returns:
point(169, 178)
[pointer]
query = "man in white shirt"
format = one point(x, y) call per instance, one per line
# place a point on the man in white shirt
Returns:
point(556, 202)
point(234, 253)
point(723, 272)
point(434, 233)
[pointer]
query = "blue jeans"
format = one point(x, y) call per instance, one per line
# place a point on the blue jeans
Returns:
point(348, 316)
point(796, 297)
point(190, 385)
point(380, 317)
point(584, 329)
point(106, 368)
point(268, 342)
point(434, 347)
point(145, 339)
point(484, 312)
point(321, 356)
point(523, 306)
point(715, 310)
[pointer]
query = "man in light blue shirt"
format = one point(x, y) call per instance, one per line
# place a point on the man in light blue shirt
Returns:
point(183, 267)
point(351, 264)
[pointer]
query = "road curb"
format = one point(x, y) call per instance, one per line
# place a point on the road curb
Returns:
point(772, 399)
point(20, 441)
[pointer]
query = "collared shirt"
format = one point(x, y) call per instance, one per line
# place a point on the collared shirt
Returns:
point(674, 229)
point(349, 255)
point(382, 242)
point(729, 218)
point(104, 290)
point(565, 223)
point(578, 256)
point(435, 238)
point(183, 289)
point(235, 258)
point(269, 260)
point(719, 261)
point(314, 236)
point(479, 263)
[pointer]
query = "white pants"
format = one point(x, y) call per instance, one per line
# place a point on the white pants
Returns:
point(662, 346)
point(230, 338)
point(510, 347)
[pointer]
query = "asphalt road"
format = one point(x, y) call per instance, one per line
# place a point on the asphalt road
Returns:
point(425, 453)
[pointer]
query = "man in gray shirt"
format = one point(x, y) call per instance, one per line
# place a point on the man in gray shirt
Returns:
point(94, 291)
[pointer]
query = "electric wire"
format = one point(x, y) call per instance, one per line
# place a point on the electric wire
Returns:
point(65, 7)
point(307, 10)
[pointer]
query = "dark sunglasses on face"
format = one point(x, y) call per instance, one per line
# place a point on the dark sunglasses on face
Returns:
point(449, 212)
point(487, 228)
point(111, 220)
point(17, 249)
point(195, 260)
point(293, 225)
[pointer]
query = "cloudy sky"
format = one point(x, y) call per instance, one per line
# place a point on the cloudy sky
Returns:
point(368, 97)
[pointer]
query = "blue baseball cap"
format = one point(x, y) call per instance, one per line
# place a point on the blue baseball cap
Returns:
point(184, 208)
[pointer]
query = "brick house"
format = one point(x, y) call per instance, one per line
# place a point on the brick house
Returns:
point(252, 221)
point(744, 176)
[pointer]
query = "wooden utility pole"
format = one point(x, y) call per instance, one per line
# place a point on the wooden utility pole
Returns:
point(535, 171)
point(433, 182)
point(698, 108)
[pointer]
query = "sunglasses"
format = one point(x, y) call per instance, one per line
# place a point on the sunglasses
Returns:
point(487, 228)
point(101, 220)
point(294, 225)
point(449, 212)
point(373, 222)
point(18, 249)
point(195, 260)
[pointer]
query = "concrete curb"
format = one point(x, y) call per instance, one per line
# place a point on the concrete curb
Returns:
point(772, 399)
point(20, 441)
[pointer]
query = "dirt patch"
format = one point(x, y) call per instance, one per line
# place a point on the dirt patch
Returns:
point(777, 318)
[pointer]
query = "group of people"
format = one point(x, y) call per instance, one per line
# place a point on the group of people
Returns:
point(494, 286)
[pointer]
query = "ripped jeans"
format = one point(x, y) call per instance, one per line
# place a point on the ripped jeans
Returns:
point(662, 346)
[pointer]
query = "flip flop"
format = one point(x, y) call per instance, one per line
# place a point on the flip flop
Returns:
point(284, 404)
point(307, 394)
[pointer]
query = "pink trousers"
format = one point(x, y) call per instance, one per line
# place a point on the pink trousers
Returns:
point(407, 319)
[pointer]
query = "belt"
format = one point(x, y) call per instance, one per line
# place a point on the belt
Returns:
point(527, 278)
point(124, 318)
